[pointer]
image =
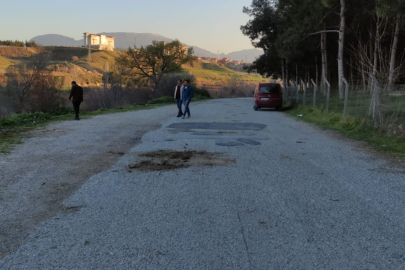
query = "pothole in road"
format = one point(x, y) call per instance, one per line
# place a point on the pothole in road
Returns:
point(166, 160)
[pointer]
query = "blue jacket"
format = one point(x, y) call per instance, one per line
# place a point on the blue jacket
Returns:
point(188, 93)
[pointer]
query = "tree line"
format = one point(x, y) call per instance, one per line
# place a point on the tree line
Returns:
point(328, 40)
point(17, 43)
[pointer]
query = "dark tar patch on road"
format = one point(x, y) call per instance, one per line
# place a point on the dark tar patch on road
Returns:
point(218, 126)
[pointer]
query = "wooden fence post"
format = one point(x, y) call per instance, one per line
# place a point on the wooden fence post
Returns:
point(346, 97)
point(315, 91)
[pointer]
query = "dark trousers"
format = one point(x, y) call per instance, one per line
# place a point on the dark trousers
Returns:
point(76, 107)
point(186, 108)
point(179, 103)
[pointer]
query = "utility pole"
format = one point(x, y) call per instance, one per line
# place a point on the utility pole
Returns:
point(89, 54)
point(106, 75)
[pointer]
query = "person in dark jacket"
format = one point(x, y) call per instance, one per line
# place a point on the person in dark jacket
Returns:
point(177, 95)
point(187, 95)
point(76, 96)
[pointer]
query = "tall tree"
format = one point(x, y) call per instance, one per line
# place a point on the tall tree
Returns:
point(342, 29)
point(289, 30)
point(155, 60)
point(263, 31)
point(386, 9)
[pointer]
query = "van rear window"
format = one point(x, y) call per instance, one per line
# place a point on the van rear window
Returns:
point(269, 89)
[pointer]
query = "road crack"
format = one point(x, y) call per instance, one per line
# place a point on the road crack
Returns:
point(245, 240)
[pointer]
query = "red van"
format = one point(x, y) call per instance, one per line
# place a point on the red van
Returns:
point(268, 95)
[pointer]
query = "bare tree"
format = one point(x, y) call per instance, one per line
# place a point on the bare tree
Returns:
point(21, 78)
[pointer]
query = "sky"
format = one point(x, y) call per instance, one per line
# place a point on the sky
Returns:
point(210, 24)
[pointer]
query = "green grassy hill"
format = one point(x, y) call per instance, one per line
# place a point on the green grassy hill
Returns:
point(213, 76)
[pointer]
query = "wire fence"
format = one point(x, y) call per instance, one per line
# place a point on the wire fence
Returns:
point(376, 104)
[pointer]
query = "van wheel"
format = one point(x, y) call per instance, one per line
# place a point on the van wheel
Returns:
point(255, 108)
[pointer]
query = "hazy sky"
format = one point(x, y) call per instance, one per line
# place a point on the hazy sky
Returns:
point(210, 24)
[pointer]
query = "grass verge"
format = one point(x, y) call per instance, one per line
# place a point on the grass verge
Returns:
point(353, 128)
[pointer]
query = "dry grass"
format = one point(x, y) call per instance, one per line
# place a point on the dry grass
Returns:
point(16, 52)
point(4, 64)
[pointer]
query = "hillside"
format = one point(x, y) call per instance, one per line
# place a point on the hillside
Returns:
point(69, 63)
point(245, 54)
point(213, 76)
point(4, 63)
point(56, 40)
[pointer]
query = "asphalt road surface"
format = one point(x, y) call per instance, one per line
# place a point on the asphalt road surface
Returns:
point(259, 190)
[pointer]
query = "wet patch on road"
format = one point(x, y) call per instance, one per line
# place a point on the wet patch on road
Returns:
point(237, 142)
point(249, 142)
point(167, 160)
point(228, 143)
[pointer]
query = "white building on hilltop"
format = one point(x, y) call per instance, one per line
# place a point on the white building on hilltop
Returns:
point(99, 42)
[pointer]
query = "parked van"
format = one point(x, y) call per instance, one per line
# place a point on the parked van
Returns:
point(268, 95)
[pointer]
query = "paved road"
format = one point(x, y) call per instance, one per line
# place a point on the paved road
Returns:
point(289, 197)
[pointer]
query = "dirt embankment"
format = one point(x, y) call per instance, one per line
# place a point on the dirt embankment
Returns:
point(19, 52)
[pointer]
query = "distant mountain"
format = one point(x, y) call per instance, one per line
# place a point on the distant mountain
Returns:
point(125, 40)
point(250, 55)
point(56, 40)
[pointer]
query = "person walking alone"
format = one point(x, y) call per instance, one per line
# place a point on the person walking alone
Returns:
point(76, 96)
point(177, 95)
point(187, 95)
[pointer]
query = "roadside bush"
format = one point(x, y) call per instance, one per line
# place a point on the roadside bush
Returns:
point(139, 96)
point(236, 87)
point(201, 93)
point(25, 118)
point(169, 82)
point(61, 111)
point(105, 98)
point(45, 95)
point(6, 103)
point(162, 100)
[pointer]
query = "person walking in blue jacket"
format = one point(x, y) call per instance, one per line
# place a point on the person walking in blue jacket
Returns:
point(187, 95)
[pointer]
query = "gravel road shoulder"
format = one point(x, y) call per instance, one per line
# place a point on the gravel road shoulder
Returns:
point(54, 161)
